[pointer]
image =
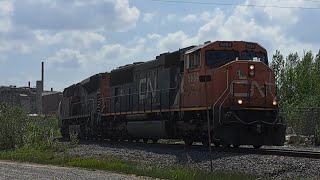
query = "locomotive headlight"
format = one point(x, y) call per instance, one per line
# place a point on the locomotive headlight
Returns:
point(240, 101)
point(274, 102)
point(251, 70)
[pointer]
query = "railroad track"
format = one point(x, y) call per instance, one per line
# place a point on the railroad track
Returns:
point(276, 152)
point(266, 151)
point(240, 150)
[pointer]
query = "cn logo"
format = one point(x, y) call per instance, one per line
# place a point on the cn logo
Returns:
point(253, 85)
point(146, 86)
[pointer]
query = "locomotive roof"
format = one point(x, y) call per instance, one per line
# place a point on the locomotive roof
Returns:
point(196, 48)
point(208, 43)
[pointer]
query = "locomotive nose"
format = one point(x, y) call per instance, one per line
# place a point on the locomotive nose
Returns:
point(252, 85)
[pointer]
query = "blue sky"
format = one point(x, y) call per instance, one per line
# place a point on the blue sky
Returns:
point(78, 38)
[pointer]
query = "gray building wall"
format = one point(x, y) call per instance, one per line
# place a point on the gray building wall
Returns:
point(23, 97)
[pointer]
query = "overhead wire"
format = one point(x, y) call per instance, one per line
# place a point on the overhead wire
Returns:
point(244, 5)
point(313, 1)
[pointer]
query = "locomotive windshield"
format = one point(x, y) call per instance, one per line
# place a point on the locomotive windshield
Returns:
point(250, 55)
point(218, 58)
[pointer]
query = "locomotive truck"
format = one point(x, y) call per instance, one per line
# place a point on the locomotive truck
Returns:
point(222, 88)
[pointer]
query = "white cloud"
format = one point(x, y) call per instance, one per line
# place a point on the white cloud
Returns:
point(282, 15)
point(173, 40)
point(105, 58)
point(80, 39)
point(14, 46)
point(154, 36)
point(116, 55)
point(204, 16)
point(115, 15)
point(3, 59)
point(148, 17)
point(127, 15)
point(171, 17)
point(189, 18)
point(6, 10)
point(84, 36)
point(76, 24)
point(268, 26)
point(67, 59)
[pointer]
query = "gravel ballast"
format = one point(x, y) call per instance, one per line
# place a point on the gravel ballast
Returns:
point(262, 166)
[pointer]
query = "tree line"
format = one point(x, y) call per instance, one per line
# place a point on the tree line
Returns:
point(297, 79)
point(298, 90)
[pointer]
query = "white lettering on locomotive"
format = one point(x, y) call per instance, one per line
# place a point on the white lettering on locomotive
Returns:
point(146, 86)
point(253, 85)
point(193, 77)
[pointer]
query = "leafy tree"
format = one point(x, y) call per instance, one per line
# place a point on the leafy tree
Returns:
point(288, 86)
point(298, 82)
point(277, 65)
point(304, 80)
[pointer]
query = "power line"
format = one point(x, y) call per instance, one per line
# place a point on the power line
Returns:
point(313, 1)
point(232, 4)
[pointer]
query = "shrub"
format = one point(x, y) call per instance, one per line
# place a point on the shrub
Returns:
point(20, 130)
point(13, 127)
point(317, 136)
point(41, 131)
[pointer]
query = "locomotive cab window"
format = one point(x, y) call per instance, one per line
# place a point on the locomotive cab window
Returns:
point(216, 58)
point(258, 56)
point(193, 59)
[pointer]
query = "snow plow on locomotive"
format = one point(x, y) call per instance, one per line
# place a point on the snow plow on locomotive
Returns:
point(224, 86)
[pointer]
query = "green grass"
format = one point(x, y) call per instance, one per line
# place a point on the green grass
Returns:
point(115, 164)
point(31, 139)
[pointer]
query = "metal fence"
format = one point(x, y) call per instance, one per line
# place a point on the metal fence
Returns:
point(304, 121)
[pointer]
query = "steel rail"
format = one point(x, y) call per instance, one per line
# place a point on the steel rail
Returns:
point(242, 150)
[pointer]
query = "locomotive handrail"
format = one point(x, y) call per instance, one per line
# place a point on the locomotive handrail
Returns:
point(92, 100)
point(221, 107)
point(268, 85)
point(139, 93)
point(227, 87)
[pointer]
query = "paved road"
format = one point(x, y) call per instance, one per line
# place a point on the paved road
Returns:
point(15, 170)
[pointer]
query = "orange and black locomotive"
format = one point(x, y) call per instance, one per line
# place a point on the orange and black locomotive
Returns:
point(223, 87)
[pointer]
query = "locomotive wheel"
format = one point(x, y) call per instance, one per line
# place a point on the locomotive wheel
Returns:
point(188, 142)
point(257, 146)
point(145, 140)
point(154, 141)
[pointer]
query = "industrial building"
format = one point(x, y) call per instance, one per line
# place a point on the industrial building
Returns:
point(34, 100)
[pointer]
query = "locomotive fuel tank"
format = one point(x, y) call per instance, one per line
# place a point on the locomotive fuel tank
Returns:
point(147, 129)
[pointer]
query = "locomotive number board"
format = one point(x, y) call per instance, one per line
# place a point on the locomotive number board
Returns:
point(225, 44)
point(250, 46)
